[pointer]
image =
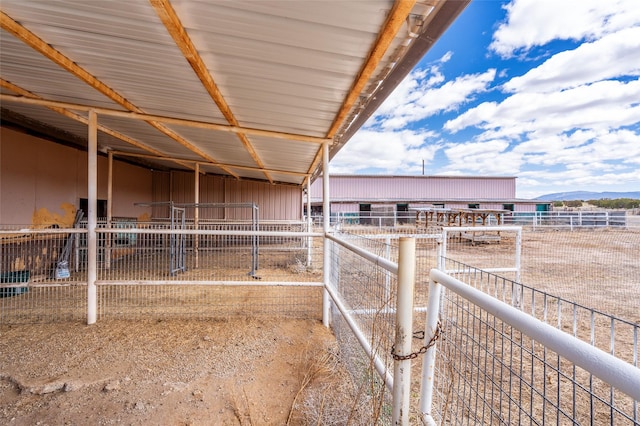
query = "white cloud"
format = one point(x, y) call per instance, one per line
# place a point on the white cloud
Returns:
point(602, 105)
point(424, 102)
point(482, 158)
point(612, 56)
point(584, 148)
point(571, 123)
point(421, 95)
point(533, 23)
point(386, 152)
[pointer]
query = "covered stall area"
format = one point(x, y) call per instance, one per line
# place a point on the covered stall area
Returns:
point(109, 104)
point(189, 131)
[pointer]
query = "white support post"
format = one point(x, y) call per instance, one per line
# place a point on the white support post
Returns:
point(429, 361)
point(92, 241)
point(309, 222)
point(404, 330)
point(518, 286)
point(196, 213)
point(109, 237)
point(387, 274)
point(326, 217)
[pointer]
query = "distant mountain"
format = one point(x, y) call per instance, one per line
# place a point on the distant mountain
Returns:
point(586, 195)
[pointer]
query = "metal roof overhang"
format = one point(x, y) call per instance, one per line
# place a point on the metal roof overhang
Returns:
point(248, 89)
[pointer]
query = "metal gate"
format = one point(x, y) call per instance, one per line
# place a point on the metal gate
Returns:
point(177, 250)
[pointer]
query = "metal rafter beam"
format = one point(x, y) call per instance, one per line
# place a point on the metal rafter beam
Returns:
point(72, 115)
point(42, 47)
point(164, 119)
point(395, 20)
point(174, 26)
point(233, 166)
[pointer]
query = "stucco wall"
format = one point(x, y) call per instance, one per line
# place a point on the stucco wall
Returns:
point(44, 181)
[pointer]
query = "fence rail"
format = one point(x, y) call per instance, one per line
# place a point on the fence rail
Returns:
point(135, 277)
point(552, 219)
point(535, 363)
point(488, 369)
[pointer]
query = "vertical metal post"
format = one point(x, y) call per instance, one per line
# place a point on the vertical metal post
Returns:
point(387, 274)
point(518, 253)
point(309, 223)
point(196, 213)
point(439, 253)
point(442, 258)
point(92, 241)
point(108, 236)
point(255, 240)
point(404, 330)
point(429, 361)
point(326, 217)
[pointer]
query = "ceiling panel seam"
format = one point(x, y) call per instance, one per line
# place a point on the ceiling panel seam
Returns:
point(395, 20)
point(72, 115)
point(171, 21)
point(39, 45)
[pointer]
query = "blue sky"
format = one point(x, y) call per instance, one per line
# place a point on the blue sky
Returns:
point(544, 90)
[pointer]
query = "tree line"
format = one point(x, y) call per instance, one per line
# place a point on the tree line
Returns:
point(617, 203)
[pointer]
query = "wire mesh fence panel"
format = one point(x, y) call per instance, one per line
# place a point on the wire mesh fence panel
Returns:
point(37, 280)
point(228, 270)
point(594, 268)
point(162, 302)
point(44, 303)
point(488, 372)
point(368, 292)
point(217, 256)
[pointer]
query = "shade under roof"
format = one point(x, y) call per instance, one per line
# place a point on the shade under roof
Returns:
point(250, 89)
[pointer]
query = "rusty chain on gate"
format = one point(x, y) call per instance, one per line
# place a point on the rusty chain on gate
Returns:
point(422, 350)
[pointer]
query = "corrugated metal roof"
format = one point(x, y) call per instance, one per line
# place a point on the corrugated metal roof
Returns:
point(280, 76)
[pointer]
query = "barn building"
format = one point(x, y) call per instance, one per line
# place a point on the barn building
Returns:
point(401, 196)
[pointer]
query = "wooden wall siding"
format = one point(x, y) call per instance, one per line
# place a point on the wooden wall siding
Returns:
point(275, 202)
point(40, 176)
point(372, 188)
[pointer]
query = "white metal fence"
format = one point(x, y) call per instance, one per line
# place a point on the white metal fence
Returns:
point(561, 219)
point(549, 361)
point(488, 368)
point(228, 271)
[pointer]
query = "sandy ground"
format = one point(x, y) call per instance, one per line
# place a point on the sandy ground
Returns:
point(239, 372)
point(251, 371)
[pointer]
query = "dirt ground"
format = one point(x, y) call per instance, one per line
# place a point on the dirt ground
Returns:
point(236, 372)
point(253, 371)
